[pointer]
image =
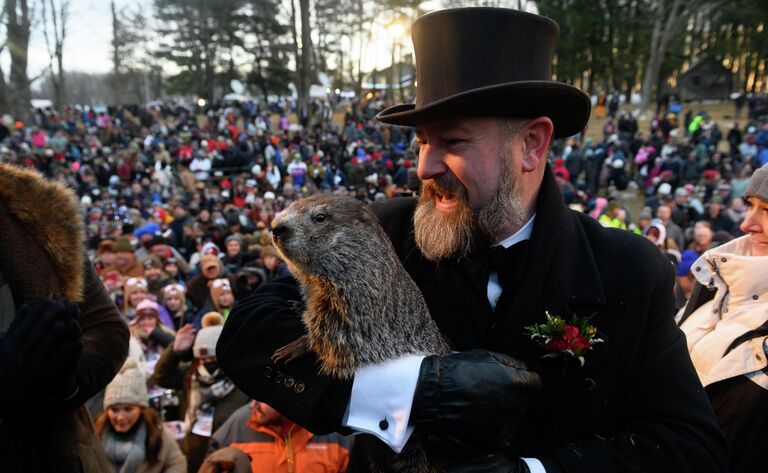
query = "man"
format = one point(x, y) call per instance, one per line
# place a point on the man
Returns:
point(685, 279)
point(198, 289)
point(125, 265)
point(683, 212)
point(719, 220)
point(162, 248)
point(61, 337)
point(486, 112)
point(702, 237)
point(258, 431)
point(664, 213)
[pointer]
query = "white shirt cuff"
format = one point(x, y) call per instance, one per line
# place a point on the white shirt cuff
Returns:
point(534, 465)
point(381, 400)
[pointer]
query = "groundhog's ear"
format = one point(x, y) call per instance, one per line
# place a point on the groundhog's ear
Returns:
point(367, 215)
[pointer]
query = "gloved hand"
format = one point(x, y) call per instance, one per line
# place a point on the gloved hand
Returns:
point(476, 399)
point(40, 352)
point(472, 387)
point(493, 464)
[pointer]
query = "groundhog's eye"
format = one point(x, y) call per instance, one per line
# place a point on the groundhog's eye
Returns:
point(319, 218)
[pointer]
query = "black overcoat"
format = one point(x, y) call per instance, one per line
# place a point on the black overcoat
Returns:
point(636, 404)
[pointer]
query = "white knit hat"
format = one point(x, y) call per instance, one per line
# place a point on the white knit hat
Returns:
point(208, 336)
point(128, 386)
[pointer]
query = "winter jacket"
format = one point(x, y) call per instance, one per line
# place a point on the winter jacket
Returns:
point(271, 451)
point(169, 459)
point(42, 255)
point(171, 372)
point(727, 332)
point(636, 404)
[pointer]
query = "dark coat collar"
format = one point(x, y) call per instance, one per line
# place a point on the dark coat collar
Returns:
point(560, 271)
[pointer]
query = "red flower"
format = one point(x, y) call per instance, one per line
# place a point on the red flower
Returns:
point(580, 344)
point(569, 340)
point(558, 337)
point(570, 332)
point(558, 344)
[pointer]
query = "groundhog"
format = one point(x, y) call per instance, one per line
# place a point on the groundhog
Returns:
point(362, 307)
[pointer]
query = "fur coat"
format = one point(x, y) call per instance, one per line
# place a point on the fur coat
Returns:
point(42, 255)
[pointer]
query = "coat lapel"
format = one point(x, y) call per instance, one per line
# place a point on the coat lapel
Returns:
point(560, 272)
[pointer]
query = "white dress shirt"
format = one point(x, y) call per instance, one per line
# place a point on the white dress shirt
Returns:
point(382, 394)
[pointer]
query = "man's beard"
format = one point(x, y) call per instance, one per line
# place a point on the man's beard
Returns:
point(456, 234)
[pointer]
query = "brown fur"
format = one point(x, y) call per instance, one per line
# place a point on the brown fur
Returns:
point(48, 217)
point(362, 307)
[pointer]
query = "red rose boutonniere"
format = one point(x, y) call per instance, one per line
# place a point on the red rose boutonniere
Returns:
point(574, 339)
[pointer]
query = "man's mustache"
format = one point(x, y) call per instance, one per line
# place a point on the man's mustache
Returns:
point(447, 184)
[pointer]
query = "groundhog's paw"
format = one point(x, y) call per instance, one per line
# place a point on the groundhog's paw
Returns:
point(292, 351)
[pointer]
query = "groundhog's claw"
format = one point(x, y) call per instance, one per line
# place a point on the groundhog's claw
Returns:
point(292, 351)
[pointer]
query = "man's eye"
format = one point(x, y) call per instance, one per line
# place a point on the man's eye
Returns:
point(453, 141)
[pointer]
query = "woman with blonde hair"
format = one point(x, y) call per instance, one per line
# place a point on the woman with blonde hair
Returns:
point(135, 290)
point(152, 335)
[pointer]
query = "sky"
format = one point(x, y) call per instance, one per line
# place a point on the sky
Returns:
point(87, 45)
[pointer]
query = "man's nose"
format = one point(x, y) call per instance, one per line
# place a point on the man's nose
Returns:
point(431, 164)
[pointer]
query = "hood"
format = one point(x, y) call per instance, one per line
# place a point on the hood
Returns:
point(44, 219)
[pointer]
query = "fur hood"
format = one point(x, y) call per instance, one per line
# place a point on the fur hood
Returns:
point(44, 223)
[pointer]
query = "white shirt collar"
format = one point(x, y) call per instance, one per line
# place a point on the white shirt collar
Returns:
point(523, 234)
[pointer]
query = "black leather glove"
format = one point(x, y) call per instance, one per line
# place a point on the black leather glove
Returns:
point(493, 464)
point(40, 352)
point(472, 387)
point(473, 403)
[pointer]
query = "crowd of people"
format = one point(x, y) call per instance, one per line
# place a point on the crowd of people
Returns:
point(178, 204)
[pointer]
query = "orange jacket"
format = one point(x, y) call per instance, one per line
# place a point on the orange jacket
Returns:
point(295, 451)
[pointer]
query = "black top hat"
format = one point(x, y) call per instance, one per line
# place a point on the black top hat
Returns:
point(488, 62)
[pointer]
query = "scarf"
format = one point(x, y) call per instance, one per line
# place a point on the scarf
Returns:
point(126, 451)
point(206, 390)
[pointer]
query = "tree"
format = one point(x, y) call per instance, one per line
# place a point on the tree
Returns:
point(130, 73)
point(305, 73)
point(198, 37)
point(59, 17)
point(18, 30)
point(267, 44)
point(668, 17)
point(3, 86)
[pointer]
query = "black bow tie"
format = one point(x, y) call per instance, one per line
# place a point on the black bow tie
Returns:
point(508, 263)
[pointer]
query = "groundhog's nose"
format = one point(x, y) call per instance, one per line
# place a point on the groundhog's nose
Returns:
point(280, 232)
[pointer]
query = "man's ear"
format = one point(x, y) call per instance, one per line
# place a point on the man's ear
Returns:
point(536, 135)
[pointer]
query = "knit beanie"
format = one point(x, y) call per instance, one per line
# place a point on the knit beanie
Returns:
point(758, 184)
point(128, 386)
point(208, 336)
point(234, 238)
point(219, 287)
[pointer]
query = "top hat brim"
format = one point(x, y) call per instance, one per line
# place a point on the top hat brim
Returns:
point(568, 107)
